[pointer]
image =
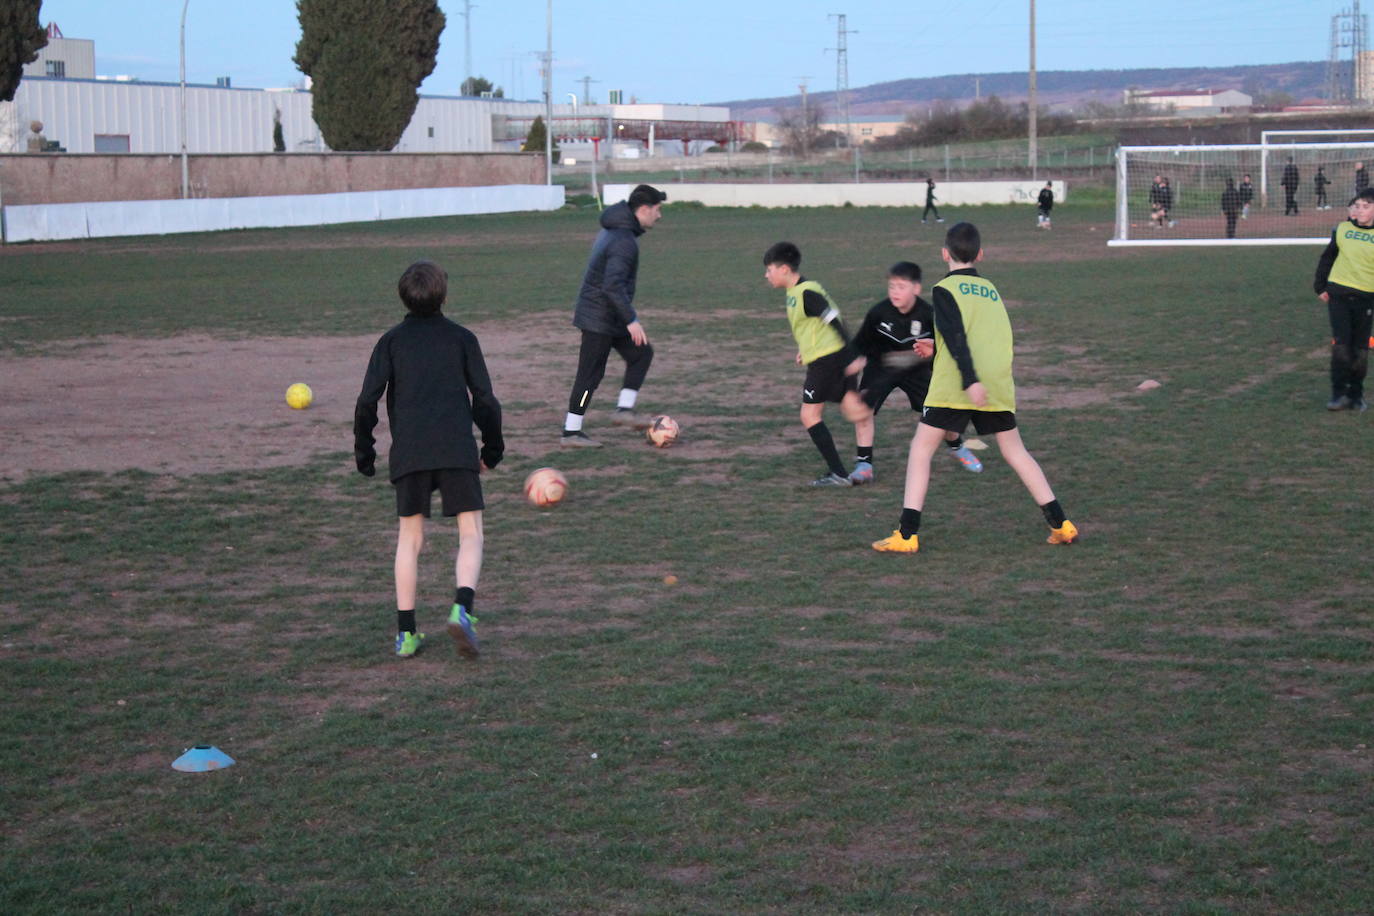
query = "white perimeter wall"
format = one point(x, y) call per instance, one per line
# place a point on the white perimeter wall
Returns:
point(48, 222)
point(896, 194)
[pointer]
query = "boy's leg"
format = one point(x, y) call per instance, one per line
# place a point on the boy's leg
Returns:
point(814, 424)
point(1341, 313)
point(1014, 452)
point(924, 444)
point(410, 537)
point(467, 568)
point(591, 368)
point(1363, 320)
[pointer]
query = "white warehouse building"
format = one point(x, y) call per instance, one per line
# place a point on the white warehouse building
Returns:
point(117, 116)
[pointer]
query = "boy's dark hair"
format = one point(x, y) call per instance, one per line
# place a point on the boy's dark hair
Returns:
point(423, 288)
point(783, 253)
point(906, 270)
point(1366, 194)
point(646, 196)
point(963, 242)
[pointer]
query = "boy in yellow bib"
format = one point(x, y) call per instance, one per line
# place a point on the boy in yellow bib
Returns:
point(970, 382)
point(821, 342)
point(1345, 282)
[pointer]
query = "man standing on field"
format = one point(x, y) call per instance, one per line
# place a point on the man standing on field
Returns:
point(606, 315)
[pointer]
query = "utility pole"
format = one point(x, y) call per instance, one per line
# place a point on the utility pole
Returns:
point(1033, 153)
point(467, 43)
point(548, 98)
point(842, 75)
point(586, 82)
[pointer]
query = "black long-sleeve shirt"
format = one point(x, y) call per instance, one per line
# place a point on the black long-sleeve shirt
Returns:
point(886, 329)
point(436, 384)
point(950, 321)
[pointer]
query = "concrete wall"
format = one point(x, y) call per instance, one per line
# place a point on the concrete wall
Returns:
point(876, 194)
point(57, 178)
point(48, 222)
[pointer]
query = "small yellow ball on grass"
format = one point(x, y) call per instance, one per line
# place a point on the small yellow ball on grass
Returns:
point(299, 396)
point(670, 579)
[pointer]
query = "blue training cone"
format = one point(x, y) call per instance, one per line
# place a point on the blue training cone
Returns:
point(201, 759)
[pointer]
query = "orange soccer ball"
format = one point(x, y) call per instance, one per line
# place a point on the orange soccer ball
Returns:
point(662, 431)
point(545, 487)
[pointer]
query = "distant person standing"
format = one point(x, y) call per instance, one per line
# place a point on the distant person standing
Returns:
point(1230, 205)
point(930, 202)
point(1045, 203)
point(1157, 202)
point(1319, 183)
point(1166, 203)
point(1247, 194)
point(606, 316)
point(1289, 182)
point(1361, 178)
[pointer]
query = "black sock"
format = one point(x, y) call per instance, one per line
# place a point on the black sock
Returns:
point(911, 522)
point(955, 443)
point(864, 453)
point(405, 621)
point(464, 597)
point(1053, 514)
point(825, 444)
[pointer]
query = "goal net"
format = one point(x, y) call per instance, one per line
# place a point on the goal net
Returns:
point(1178, 195)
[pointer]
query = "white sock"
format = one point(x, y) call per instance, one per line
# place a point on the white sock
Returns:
point(573, 423)
point(627, 398)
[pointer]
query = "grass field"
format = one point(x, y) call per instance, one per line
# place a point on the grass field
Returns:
point(1172, 716)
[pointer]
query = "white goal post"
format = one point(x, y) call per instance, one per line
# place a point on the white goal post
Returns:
point(1178, 195)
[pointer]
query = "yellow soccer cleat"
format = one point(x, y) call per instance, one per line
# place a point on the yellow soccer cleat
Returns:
point(895, 543)
point(1064, 534)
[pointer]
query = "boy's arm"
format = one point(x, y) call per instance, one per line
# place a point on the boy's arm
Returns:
point(950, 321)
point(864, 341)
point(486, 410)
point(365, 411)
point(1324, 264)
point(816, 306)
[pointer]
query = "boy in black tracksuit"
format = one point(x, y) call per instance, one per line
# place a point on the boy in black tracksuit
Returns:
point(893, 348)
point(1345, 282)
point(436, 385)
point(1045, 203)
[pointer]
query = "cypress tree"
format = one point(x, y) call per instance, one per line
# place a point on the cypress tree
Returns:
point(21, 38)
point(366, 61)
point(535, 140)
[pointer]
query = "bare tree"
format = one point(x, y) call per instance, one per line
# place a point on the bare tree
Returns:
point(800, 129)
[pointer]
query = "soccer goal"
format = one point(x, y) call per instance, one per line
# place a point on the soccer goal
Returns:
point(1179, 195)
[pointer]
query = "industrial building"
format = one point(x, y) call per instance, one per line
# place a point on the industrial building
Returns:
point(83, 113)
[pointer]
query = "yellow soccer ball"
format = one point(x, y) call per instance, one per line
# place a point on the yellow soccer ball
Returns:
point(299, 396)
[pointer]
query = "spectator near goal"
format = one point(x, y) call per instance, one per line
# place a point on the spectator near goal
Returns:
point(1289, 182)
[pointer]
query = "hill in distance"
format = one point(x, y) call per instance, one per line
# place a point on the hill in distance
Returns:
point(1058, 89)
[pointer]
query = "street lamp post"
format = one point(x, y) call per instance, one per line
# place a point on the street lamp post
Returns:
point(548, 99)
point(185, 172)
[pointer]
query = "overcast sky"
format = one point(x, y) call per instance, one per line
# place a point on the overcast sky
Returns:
point(699, 51)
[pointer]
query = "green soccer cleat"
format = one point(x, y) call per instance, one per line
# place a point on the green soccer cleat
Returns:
point(407, 644)
point(460, 628)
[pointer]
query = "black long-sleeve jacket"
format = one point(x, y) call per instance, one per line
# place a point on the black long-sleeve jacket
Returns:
point(436, 384)
point(605, 303)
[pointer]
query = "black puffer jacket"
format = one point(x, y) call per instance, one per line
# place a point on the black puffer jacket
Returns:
point(605, 304)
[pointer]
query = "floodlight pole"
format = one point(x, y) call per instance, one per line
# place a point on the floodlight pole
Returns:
point(548, 99)
point(467, 42)
point(185, 171)
point(1034, 153)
